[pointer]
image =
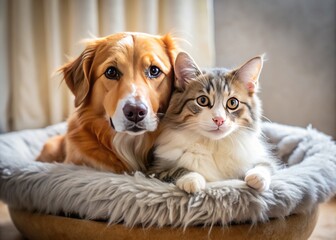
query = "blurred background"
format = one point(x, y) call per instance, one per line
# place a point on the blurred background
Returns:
point(298, 81)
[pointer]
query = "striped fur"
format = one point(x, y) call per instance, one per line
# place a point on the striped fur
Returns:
point(206, 136)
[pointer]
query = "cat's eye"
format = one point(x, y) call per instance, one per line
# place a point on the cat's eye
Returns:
point(153, 72)
point(203, 101)
point(232, 103)
point(112, 73)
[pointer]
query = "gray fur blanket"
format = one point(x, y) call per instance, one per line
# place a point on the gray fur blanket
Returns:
point(309, 179)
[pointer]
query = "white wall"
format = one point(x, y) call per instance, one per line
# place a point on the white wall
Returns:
point(298, 81)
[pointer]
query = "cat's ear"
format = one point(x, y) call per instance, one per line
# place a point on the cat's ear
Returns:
point(249, 73)
point(185, 70)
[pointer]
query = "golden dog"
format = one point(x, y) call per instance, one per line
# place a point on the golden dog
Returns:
point(122, 85)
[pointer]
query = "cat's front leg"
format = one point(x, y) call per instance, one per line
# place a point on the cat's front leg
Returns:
point(191, 182)
point(258, 178)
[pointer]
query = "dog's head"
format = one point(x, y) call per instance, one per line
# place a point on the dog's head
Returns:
point(126, 78)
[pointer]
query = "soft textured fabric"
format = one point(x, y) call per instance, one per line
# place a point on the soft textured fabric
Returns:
point(309, 179)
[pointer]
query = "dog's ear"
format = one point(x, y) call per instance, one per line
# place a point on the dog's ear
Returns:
point(77, 74)
point(186, 70)
point(171, 46)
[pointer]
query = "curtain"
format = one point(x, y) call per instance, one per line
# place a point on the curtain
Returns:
point(39, 36)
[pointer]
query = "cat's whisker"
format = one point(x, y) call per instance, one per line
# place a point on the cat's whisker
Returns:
point(245, 127)
point(266, 118)
point(252, 130)
point(187, 124)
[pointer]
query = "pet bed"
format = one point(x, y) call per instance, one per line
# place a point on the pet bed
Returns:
point(29, 186)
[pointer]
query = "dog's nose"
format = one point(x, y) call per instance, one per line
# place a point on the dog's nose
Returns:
point(135, 112)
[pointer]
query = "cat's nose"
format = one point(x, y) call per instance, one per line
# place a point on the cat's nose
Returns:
point(218, 121)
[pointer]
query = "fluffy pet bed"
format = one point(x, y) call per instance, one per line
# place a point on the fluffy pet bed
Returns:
point(309, 179)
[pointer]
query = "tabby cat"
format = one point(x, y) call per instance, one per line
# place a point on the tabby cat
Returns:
point(211, 131)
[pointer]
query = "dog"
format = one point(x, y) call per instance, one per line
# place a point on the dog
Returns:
point(122, 85)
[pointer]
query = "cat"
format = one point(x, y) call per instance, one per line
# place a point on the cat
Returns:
point(211, 131)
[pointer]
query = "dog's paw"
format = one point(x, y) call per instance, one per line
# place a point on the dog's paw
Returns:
point(258, 179)
point(191, 182)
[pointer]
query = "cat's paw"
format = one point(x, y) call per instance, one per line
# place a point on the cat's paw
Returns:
point(258, 179)
point(191, 182)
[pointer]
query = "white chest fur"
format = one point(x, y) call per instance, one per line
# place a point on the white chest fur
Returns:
point(216, 160)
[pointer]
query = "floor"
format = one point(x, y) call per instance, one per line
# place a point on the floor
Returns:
point(326, 224)
point(325, 228)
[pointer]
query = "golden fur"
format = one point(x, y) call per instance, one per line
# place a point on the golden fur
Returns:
point(91, 135)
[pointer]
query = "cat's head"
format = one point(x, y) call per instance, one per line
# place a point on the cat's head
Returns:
point(215, 102)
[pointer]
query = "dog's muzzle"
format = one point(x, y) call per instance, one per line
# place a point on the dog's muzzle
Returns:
point(135, 112)
point(133, 118)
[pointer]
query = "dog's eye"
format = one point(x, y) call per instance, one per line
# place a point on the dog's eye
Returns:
point(112, 73)
point(154, 72)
